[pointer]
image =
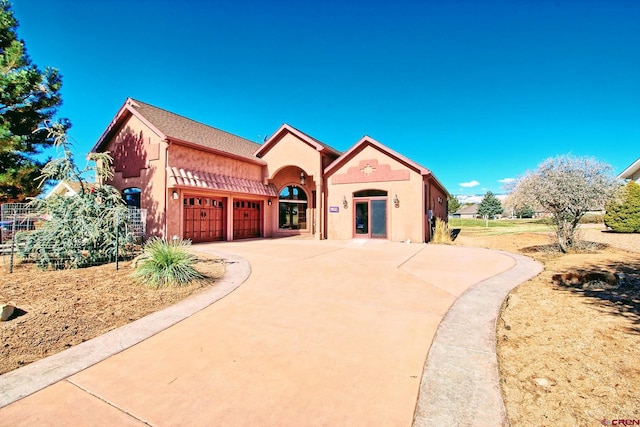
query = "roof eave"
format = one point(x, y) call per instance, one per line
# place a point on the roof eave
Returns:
point(125, 111)
point(278, 134)
point(628, 173)
point(54, 190)
point(431, 176)
point(378, 145)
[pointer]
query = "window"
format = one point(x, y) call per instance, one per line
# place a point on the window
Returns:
point(292, 208)
point(370, 193)
point(131, 197)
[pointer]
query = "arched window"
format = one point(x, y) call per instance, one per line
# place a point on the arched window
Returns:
point(131, 197)
point(292, 205)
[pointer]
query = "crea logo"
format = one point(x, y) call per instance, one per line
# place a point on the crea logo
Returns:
point(620, 422)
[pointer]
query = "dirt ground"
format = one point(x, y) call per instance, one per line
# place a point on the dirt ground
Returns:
point(59, 309)
point(568, 355)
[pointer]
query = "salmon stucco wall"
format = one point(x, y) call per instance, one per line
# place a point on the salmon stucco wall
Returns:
point(286, 159)
point(290, 150)
point(181, 156)
point(291, 176)
point(138, 162)
point(188, 158)
point(175, 217)
point(371, 169)
point(436, 201)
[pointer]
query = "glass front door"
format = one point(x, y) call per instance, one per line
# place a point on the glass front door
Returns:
point(362, 218)
point(371, 218)
point(379, 219)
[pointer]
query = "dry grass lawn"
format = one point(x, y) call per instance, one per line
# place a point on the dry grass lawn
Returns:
point(569, 356)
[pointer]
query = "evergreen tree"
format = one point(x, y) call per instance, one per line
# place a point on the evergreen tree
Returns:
point(623, 213)
point(490, 206)
point(29, 98)
point(525, 212)
point(79, 230)
point(453, 204)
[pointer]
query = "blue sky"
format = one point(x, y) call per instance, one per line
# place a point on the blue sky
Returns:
point(477, 91)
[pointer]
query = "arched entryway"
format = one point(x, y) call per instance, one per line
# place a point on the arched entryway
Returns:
point(292, 208)
point(370, 214)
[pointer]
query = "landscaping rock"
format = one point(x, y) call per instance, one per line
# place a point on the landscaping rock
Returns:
point(6, 310)
point(542, 382)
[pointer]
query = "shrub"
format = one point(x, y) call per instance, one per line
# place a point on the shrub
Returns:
point(80, 230)
point(592, 219)
point(525, 212)
point(166, 263)
point(623, 213)
point(566, 187)
point(442, 234)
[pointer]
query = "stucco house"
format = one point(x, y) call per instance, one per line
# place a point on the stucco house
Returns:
point(67, 188)
point(201, 183)
point(632, 172)
point(467, 211)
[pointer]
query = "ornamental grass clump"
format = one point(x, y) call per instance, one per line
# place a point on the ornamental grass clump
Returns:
point(166, 263)
point(442, 234)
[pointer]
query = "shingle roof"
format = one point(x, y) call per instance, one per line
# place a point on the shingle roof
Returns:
point(468, 209)
point(181, 128)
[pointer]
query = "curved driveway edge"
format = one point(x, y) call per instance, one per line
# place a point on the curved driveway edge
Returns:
point(22, 382)
point(460, 382)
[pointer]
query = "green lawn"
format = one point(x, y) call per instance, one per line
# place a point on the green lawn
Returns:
point(500, 226)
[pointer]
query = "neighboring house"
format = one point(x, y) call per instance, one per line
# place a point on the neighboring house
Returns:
point(632, 172)
point(467, 211)
point(68, 188)
point(204, 184)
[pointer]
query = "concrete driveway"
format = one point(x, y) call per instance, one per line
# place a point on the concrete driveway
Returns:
point(326, 333)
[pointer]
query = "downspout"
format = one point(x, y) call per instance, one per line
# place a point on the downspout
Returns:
point(165, 230)
point(424, 210)
point(429, 208)
point(321, 220)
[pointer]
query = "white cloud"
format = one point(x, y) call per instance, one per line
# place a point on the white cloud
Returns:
point(506, 180)
point(469, 184)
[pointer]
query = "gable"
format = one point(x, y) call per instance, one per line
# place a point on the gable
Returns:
point(133, 147)
point(285, 130)
point(632, 172)
point(178, 129)
point(370, 169)
point(379, 151)
point(290, 148)
point(370, 161)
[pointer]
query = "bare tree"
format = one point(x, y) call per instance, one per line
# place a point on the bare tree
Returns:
point(566, 187)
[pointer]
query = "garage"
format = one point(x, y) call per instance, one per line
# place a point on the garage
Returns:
point(246, 219)
point(204, 219)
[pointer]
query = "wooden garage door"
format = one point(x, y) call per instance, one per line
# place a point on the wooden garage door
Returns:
point(203, 218)
point(246, 219)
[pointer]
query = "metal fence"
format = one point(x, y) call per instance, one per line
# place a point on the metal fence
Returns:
point(18, 220)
